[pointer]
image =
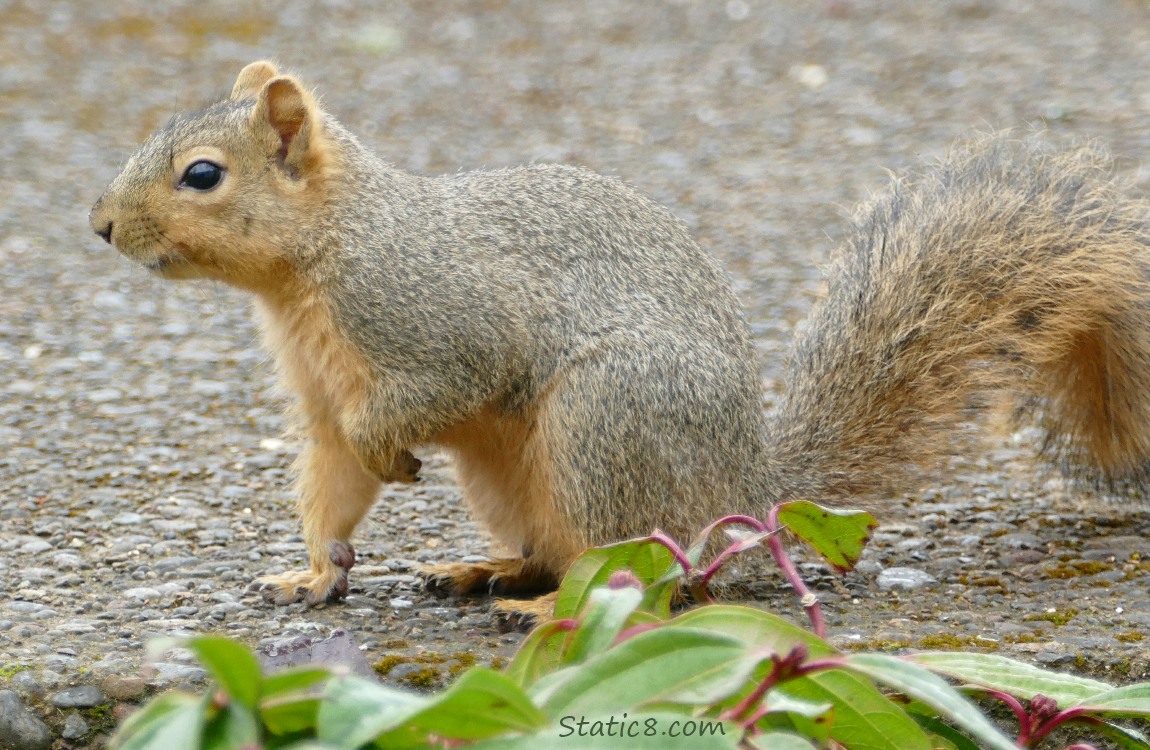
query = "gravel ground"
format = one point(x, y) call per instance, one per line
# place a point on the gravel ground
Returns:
point(144, 477)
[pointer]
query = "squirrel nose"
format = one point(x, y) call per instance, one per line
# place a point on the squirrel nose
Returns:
point(106, 233)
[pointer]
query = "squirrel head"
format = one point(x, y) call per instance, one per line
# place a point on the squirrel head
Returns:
point(226, 192)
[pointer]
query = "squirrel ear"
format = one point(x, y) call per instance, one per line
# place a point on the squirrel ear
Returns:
point(289, 110)
point(252, 78)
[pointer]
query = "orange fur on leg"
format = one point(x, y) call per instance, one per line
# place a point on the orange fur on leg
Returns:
point(334, 494)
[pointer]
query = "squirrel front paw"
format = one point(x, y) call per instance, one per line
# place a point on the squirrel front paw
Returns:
point(323, 583)
point(405, 468)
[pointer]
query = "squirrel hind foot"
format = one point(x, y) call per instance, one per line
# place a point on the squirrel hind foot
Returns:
point(505, 575)
point(521, 615)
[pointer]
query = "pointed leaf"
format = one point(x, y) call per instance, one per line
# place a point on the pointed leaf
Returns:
point(234, 726)
point(295, 679)
point(539, 653)
point(780, 741)
point(864, 718)
point(290, 713)
point(754, 627)
point(943, 732)
point(648, 560)
point(173, 721)
point(1009, 676)
point(666, 665)
point(233, 667)
point(1126, 738)
point(355, 711)
point(1132, 700)
point(809, 718)
point(838, 535)
point(481, 703)
point(604, 615)
point(657, 730)
point(918, 683)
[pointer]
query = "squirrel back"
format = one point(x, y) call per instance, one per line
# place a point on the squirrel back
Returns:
point(586, 362)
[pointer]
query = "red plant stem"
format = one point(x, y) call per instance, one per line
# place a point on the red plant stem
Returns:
point(730, 551)
point(1054, 721)
point(751, 521)
point(743, 712)
point(717, 563)
point(746, 705)
point(808, 598)
point(1020, 713)
point(674, 548)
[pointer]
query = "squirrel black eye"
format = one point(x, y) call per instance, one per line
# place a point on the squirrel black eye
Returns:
point(202, 175)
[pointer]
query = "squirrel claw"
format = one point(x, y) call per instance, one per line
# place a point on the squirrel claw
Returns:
point(513, 622)
point(442, 585)
point(521, 615)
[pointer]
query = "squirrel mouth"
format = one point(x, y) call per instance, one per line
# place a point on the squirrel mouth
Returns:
point(162, 263)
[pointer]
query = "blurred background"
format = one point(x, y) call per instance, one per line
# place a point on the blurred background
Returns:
point(760, 123)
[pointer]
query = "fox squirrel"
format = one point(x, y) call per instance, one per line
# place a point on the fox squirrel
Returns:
point(587, 364)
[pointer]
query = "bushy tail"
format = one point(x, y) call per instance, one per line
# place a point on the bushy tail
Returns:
point(1007, 266)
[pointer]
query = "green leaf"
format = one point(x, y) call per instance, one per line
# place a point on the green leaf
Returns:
point(666, 665)
point(1124, 737)
point(290, 701)
point(865, 719)
point(233, 667)
point(656, 730)
point(172, 721)
point(917, 682)
point(354, 711)
point(1009, 676)
point(780, 741)
point(808, 718)
point(481, 703)
point(287, 714)
point(648, 560)
point(538, 654)
point(234, 726)
point(603, 618)
point(753, 627)
point(1132, 700)
point(838, 535)
point(295, 679)
point(944, 732)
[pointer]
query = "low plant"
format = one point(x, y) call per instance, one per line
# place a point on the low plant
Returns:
point(617, 669)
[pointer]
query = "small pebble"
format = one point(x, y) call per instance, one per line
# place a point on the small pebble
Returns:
point(74, 727)
point(84, 696)
point(905, 579)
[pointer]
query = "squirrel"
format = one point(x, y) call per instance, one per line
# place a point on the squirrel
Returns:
point(589, 367)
